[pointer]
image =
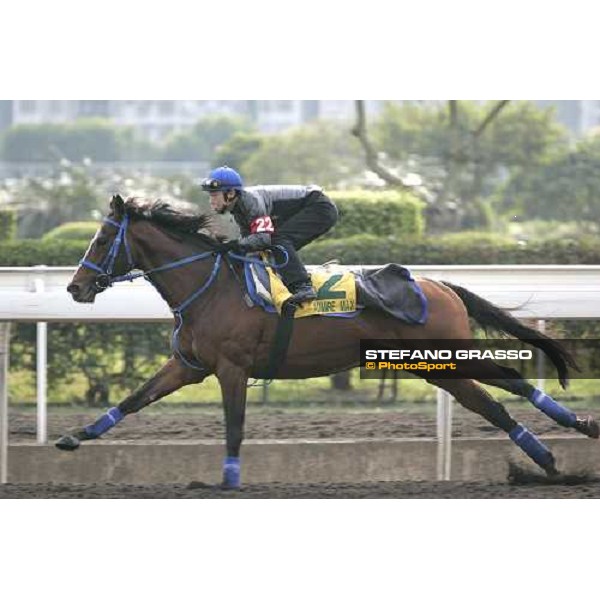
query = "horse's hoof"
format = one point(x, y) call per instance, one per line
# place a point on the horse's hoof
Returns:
point(68, 442)
point(230, 484)
point(229, 488)
point(589, 427)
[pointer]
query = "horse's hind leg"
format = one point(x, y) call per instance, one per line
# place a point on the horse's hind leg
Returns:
point(173, 375)
point(473, 397)
point(511, 381)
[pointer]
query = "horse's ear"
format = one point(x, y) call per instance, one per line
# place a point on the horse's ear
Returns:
point(117, 204)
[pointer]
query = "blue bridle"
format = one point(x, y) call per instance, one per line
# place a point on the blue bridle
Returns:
point(105, 268)
point(105, 277)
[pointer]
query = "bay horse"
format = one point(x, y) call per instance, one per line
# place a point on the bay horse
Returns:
point(217, 332)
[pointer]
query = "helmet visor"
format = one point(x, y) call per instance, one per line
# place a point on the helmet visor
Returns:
point(212, 185)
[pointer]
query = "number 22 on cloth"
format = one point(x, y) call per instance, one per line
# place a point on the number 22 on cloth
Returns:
point(262, 225)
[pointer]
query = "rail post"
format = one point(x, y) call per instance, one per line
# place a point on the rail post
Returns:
point(541, 381)
point(444, 435)
point(4, 347)
point(41, 360)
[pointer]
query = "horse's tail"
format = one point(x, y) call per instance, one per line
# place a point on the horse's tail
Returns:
point(489, 316)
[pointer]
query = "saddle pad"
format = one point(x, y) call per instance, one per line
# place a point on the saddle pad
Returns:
point(390, 289)
point(336, 291)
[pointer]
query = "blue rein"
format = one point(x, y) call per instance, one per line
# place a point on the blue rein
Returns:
point(105, 277)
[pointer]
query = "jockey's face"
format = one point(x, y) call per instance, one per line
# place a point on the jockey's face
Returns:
point(221, 202)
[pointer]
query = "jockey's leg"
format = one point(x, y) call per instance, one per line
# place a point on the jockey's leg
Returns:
point(173, 375)
point(316, 218)
point(293, 273)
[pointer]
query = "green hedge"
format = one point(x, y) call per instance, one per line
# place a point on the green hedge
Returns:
point(75, 230)
point(362, 249)
point(8, 224)
point(478, 250)
point(27, 253)
point(379, 213)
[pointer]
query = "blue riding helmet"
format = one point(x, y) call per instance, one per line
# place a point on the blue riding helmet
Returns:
point(222, 179)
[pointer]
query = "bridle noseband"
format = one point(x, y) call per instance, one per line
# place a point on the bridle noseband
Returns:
point(105, 277)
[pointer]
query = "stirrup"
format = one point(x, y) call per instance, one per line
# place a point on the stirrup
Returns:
point(305, 294)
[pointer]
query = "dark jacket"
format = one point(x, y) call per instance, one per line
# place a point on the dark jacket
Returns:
point(259, 209)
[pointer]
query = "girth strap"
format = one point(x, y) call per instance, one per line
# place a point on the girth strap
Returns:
point(281, 342)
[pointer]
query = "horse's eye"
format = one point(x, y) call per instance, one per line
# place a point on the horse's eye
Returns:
point(101, 241)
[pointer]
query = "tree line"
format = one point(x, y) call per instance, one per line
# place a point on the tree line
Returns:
point(476, 165)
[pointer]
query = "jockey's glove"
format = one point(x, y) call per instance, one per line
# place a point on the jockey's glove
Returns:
point(231, 246)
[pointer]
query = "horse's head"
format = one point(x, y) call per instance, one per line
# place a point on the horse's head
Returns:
point(108, 255)
point(169, 229)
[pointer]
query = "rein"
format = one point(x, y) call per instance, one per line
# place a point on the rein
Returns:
point(106, 279)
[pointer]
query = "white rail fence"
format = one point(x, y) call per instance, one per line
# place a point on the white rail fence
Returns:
point(38, 294)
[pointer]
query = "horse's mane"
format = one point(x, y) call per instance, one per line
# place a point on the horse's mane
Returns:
point(175, 215)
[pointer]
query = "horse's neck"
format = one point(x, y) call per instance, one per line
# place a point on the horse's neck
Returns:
point(177, 284)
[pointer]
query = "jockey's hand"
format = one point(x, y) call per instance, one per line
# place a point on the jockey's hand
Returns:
point(231, 246)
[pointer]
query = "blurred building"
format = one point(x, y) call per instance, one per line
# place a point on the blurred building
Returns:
point(157, 119)
point(42, 111)
point(344, 109)
point(154, 118)
point(271, 116)
point(578, 116)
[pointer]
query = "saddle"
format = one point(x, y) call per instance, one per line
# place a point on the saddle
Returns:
point(341, 292)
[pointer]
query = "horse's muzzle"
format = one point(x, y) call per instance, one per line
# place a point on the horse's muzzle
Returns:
point(79, 295)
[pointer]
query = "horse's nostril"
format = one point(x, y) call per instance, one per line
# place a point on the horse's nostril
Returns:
point(73, 288)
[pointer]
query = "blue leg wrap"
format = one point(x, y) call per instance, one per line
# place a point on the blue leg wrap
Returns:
point(553, 409)
point(104, 423)
point(231, 472)
point(523, 438)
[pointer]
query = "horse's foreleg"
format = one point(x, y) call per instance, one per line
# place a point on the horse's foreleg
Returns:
point(172, 376)
point(233, 382)
point(473, 397)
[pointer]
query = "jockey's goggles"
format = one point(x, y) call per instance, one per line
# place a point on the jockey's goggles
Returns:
point(215, 185)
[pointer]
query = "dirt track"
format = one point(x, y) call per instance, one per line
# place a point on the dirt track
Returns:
point(274, 423)
point(406, 489)
point(278, 424)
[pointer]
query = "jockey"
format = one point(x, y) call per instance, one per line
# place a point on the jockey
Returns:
point(286, 215)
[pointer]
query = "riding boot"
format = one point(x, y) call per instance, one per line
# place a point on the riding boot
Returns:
point(295, 276)
point(302, 291)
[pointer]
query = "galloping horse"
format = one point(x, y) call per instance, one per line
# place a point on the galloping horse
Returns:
point(218, 333)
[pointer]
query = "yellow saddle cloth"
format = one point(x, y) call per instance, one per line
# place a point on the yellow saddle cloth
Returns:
point(336, 292)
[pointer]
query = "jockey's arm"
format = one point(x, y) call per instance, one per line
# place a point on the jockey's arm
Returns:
point(256, 225)
point(255, 207)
